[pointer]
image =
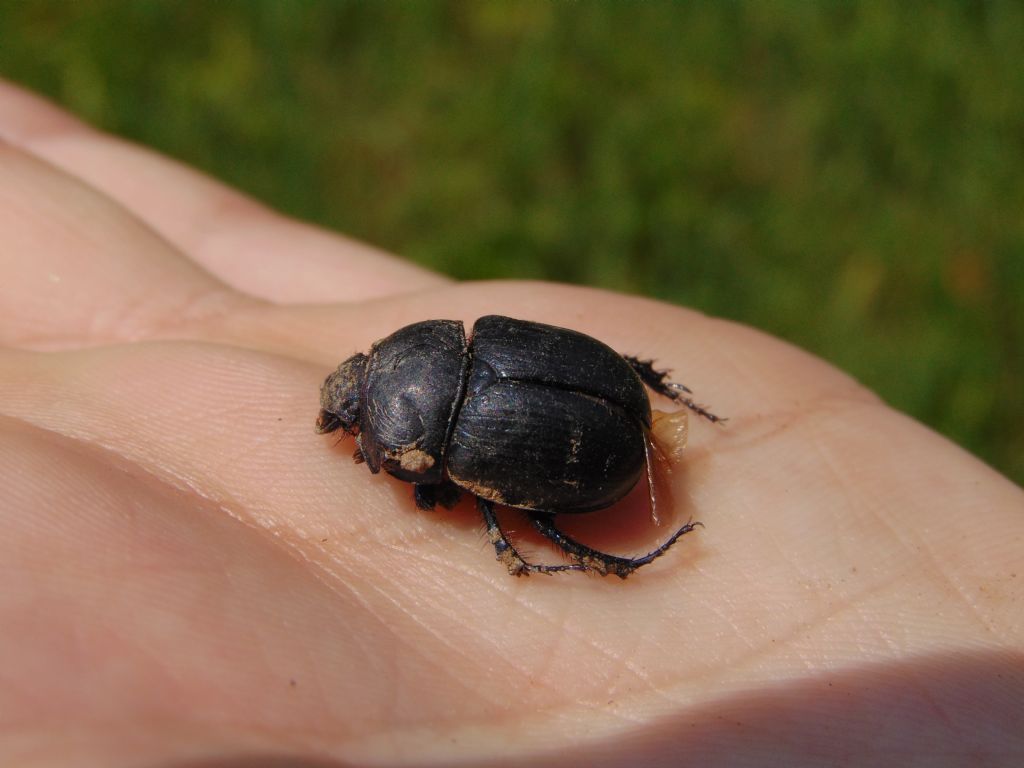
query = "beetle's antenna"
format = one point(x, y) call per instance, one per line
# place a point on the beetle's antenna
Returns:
point(650, 480)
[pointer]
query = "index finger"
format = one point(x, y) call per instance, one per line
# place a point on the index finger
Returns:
point(248, 246)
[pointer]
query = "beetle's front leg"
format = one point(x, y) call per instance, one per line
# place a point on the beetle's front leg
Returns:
point(659, 382)
point(506, 553)
point(447, 494)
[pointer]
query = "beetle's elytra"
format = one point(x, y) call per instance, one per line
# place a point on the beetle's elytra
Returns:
point(532, 416)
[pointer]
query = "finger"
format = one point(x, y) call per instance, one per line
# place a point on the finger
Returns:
point(243, 243)
point(79, 270)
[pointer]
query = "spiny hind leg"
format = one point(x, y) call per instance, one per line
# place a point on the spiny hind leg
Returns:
point(595, 560)
point(660, 383)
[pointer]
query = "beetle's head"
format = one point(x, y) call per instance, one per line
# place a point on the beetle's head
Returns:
point(339, 397)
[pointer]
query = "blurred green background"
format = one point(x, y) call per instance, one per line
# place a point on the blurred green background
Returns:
point(846, 175)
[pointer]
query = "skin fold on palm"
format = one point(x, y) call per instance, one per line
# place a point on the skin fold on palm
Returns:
point(193, 577)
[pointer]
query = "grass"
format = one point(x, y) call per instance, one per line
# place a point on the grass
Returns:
point(846, 175)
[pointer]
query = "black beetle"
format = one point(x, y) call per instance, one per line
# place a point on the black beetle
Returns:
point(528, 415)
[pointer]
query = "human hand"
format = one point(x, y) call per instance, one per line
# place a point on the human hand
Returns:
point(193, 577)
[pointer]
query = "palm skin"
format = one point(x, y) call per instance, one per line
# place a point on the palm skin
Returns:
point(193, 577)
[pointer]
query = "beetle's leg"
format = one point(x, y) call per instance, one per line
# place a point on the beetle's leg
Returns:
point(658, 381)
point(594, 560)
point(424, 496)
point(506, 553)
point(446, 494)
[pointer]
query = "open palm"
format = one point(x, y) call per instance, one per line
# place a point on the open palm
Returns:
point(192, 576)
